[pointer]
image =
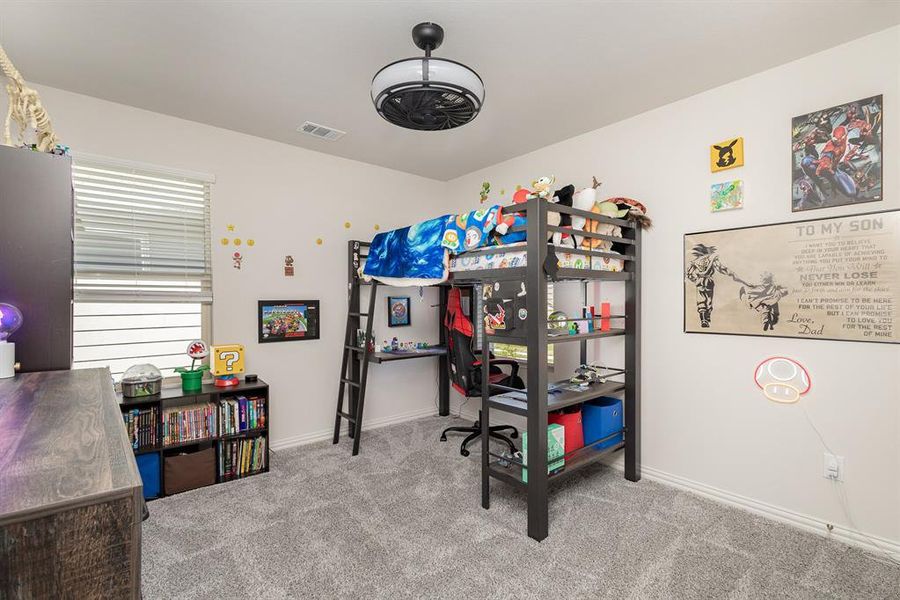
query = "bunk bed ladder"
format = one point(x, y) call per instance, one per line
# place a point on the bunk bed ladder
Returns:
point(352, 353)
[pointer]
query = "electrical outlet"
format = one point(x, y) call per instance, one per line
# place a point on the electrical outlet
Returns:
point(834, 467)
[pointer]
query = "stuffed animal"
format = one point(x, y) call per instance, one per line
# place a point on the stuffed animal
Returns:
point(616, 208)
point(583, 200)
point(543, 187)
point(563, 196)
point(505, 221)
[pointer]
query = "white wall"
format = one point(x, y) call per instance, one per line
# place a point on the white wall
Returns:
point(284, 198)
point(703, 418)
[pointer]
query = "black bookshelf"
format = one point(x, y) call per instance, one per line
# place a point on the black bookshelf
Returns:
point(174, 398)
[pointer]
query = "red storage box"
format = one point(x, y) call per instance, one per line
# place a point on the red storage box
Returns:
point(570, 419)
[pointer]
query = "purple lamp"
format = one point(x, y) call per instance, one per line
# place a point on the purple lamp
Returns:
point(10, 321)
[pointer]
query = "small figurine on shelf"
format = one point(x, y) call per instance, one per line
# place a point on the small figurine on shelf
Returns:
point(192, 377)
point(588, 374)
point(228, 363)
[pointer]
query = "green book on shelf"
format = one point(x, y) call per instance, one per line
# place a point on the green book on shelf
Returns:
point(556, 450)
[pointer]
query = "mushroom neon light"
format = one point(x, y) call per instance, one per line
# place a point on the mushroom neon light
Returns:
point(782, 379)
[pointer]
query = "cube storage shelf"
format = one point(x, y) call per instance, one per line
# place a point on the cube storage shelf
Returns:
point(152, 458)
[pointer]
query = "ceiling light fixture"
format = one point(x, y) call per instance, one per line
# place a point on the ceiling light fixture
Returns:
point(427, 93)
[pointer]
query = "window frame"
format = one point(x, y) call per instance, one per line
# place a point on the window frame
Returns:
point(206, 305)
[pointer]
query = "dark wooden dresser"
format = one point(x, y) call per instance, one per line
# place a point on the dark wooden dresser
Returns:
point(70, 492)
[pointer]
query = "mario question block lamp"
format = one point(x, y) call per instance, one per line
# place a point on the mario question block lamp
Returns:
point(228, 363)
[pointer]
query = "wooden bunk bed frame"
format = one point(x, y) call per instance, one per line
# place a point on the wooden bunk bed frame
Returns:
point(536, 338)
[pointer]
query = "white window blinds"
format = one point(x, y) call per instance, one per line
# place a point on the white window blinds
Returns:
point(140, 235)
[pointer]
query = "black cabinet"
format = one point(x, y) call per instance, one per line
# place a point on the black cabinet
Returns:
point(36, 223)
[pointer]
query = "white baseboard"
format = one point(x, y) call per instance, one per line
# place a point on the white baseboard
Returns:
point(326, 434)
point(782, 515)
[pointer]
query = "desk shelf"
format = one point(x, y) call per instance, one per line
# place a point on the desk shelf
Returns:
point(555, 401)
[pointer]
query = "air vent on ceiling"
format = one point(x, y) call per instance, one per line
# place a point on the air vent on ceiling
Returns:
point(320, 131)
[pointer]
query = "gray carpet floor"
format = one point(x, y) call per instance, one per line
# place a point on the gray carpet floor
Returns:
point(403, 520)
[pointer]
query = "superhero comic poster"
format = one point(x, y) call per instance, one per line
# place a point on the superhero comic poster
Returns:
point(836, 155)
point(836, 279)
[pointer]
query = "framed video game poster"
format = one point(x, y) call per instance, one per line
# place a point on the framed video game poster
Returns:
point(836, 155)
point(288, 320)
point(398, 311)
point(836, 278)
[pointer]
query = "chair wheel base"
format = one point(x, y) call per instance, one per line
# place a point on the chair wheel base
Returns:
point(463, 451)
point(443, 438)
point(514, 434)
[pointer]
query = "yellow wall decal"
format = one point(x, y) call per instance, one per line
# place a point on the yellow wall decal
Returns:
point(224, 241)
point(726, 155)
point(346, 224)
point(230, 227)
point(251, 242)
point(377, 226)
point(237, 241)
point(318, 241)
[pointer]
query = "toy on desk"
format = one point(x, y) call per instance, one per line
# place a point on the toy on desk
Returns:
point(573, 328)
point(192, 377)
point(228, 363)
point(361, 340)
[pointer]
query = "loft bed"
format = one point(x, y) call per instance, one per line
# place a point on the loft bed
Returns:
point(532, 267)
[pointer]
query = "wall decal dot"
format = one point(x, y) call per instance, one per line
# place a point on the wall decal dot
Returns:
point(318, 241)
point(251, 242)
point(224, 241)
point(346, 224)
point(231, 228)
point(377, 227)
point(237, 241)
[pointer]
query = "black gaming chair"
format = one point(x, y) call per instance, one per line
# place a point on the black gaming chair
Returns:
point(466, 376)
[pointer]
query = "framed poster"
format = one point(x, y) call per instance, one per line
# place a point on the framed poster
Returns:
point(830, 279)
point(726, 196)
point(288, 320)
point(727, 154)
point(836, 155)
point(398, 311)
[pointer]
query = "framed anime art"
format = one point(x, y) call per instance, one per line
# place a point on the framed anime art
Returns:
point(830, 279)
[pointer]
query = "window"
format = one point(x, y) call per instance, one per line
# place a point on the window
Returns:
point(143, 273)
point(515, 351)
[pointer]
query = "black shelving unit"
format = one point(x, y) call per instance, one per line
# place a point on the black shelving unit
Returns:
point(175, 397)
point(535, 402)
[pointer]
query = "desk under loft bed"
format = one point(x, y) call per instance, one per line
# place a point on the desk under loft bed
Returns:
point(536, 338)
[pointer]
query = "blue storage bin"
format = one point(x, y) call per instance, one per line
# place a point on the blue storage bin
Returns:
point(148, 466)
point(600, 418)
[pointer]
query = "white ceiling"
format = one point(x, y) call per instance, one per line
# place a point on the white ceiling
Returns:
point(552, 70)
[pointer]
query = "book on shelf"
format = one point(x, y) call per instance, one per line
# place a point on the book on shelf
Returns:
point(141, 427)
point(240, 457)
point(240, 413)
point(189, 423)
